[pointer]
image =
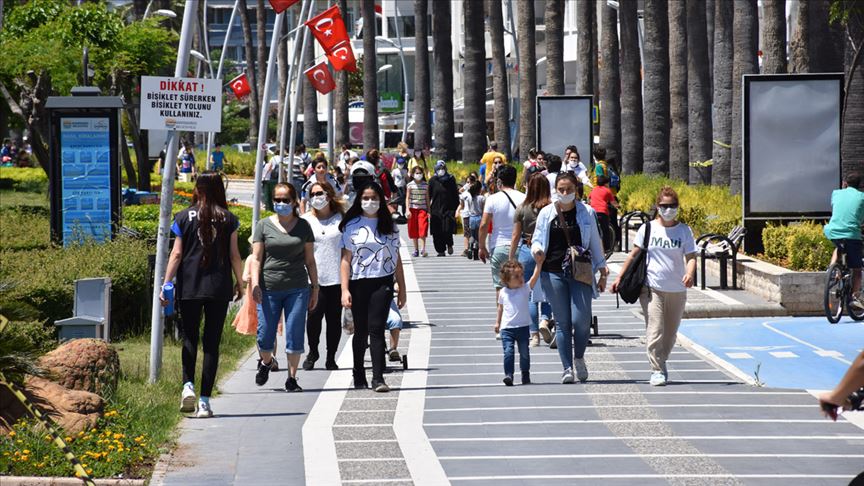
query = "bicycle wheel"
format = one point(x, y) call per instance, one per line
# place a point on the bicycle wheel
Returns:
point(852, 311)
point(834, 293)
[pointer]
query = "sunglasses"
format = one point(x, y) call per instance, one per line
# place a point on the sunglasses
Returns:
point(318, 193)
point(668, 206)
point(281, 200)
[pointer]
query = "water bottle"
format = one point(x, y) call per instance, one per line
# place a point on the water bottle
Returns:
point(168, 293)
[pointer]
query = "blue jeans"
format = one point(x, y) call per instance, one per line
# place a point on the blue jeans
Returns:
point(519, 335)
point(571, 305)
point(295, 304)
point(527, 260)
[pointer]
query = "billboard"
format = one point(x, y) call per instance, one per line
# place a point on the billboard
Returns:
point(564, 121)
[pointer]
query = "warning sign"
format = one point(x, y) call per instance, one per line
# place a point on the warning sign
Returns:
point(188, 104)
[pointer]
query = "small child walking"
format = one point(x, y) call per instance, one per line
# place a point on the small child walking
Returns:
point(513, 320)
point(417, 197)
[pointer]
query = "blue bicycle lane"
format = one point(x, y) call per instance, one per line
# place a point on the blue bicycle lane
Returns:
point(796, 352)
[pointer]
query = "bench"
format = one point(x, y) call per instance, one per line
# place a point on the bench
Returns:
point(722, 248)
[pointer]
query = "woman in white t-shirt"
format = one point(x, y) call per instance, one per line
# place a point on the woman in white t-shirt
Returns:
point(370, 261)
point(671, 271)
point(324, 218)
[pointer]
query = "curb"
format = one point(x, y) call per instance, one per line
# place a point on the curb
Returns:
point(57, 481)
point(715, 360)
point(707, 311)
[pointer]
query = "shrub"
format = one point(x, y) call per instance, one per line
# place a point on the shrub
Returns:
point(23, 179)
point(40, 334)
point(24, 228)
point(800, 247)
point(775, 239)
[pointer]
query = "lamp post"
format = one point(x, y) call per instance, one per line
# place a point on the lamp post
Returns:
point(404, 79)
point(219, 70)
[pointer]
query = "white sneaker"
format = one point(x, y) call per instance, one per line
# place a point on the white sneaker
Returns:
point(857, 301)
point(567, 376)
point(187, 400)
point(581, 369)
point(204, 410)
point(657, 379)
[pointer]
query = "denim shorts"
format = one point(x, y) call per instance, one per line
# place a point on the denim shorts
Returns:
point(294, 303)
point(499, 256)
point(394, 318)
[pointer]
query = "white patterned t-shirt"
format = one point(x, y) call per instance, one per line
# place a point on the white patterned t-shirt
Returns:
point(373, 255)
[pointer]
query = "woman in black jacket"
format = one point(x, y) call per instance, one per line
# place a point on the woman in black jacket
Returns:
point(443, 201)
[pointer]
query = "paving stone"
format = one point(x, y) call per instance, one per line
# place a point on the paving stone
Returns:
point(364, 433)
point(359, 450)
point(365, 418)
point(384, 470)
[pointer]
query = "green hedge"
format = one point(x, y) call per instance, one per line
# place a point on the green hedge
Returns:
point(800, 247)
point(23, 179)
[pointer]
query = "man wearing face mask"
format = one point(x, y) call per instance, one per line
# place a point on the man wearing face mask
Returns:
point(443, 201)
point(362, 173)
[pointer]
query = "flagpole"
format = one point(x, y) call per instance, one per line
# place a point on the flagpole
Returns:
point(331, 150)
point(219, 69)
point(284, 121)
point(294, 111)
point(265, 112)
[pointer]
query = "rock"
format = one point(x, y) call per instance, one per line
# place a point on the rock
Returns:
point(84, 364)
point(72, 410)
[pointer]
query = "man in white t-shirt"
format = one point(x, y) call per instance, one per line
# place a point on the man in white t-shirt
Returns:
point(500, 208)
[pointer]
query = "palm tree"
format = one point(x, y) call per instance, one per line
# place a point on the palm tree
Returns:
point(799, 46)
point(745, 37)
point(698, 93)
point(311, 132)
point(656, 116)
point(474, 83)
point(827, 46)
point(773, 36)
point(679, 151)
point(586, 21)
point(709, 17)
point(610, 82)
point(852, 141)
point(243, 10)
point(526, 43)
point(722, 92)
point(631, 90)
point(341, 127)
point(442, 58)
point(422, 101)
point(554, 19)
point(500, 85)
point(370, 77)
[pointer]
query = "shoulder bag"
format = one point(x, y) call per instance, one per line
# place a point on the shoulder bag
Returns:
point(633, 279)
point(577, 259)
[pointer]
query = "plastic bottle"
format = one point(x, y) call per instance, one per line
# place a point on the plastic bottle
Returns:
point(168, 293)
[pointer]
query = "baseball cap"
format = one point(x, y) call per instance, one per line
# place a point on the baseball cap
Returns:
point(440, 165)
point(364, 166)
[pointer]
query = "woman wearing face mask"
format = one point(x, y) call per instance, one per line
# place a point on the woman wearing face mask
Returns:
point(671, 271)
point(283, 267)
point(565, 223)
point(324, 219)
point(370, 261)
point(443, 200)
point(320, 176)
point(575, 165)
point(419, 160)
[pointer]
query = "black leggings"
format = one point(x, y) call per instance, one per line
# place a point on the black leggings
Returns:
point(441, 236)
point(330, 307)
point(370, 304)
point(214, 320)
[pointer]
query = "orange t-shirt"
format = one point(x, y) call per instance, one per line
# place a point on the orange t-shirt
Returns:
point(601, 197)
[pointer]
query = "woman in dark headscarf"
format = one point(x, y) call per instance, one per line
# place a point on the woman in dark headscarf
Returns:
point(443, 201)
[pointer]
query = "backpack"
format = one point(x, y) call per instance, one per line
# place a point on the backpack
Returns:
point(633, 279)
point(614, 180)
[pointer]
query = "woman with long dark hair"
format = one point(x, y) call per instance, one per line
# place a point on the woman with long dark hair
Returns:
point(370, 261)
point(205, 254)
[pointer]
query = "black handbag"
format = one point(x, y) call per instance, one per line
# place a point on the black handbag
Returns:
point(633, 279)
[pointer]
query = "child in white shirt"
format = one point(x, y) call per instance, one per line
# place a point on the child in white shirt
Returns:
point(513, 320)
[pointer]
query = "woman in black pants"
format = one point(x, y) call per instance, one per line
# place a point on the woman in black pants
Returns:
point(370, 260)
point(324, 218)
point(204, 255)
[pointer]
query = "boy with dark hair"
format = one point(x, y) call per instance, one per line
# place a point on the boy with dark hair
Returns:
point(844, 229)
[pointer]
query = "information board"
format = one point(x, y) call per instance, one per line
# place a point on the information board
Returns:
point(187, 104)
point(564, 121)
point(85, 179)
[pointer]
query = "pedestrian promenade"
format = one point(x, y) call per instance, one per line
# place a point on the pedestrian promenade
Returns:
point(450, 419)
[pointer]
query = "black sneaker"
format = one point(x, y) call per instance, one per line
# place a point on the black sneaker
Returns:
point(263, 373)
point(379, 386)
point(441, 254)
point(291, 385)
point(361, 383)
point(308, 363)
point(331, 364)
point(393, 355)
point(526, 378)
point(508, 380)
point(449, 249)
point(274, 365)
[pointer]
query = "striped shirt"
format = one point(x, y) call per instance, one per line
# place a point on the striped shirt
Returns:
point(418, 195)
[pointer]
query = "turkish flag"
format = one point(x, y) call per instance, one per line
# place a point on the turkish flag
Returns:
point(240, 86)
point(329, 28)
point(320, 78)
point(342, 57)
point(279, 6)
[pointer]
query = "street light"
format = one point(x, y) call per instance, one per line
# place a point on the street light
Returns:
point(166, 13)
point(385, 67)
point(404, 79)
point(197, 55)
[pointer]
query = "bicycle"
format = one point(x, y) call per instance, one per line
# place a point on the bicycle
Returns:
point(838, 290)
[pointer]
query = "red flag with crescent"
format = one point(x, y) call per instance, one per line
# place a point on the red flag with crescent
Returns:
point(342, 57)
point(329, 28)
point(320, 78)
point(279, 6)
point(240, 86)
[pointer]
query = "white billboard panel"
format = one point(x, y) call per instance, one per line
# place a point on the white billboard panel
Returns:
point(564, 121)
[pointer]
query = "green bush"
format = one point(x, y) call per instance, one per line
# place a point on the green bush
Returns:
point(40, 334)
point(800, 247)
point(775, 240)
point(23, 179)
point(24, 228)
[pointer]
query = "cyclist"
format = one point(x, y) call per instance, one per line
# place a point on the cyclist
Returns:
point(844, 229)
point(217, 159)
point(839, 396)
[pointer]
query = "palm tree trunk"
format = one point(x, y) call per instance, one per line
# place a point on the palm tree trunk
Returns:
point(500, 87)
point(341, 128)
point(474, 83)
point(554, 20)
point(709, 17)
point(587, 49)
point(526, 43)
point(311, 129)
point(722, 92)
point(656, 116)
point(799, 47)
point(698, 93)
point(773, 36)
point(442, 58)
point(679, 151)
point(370, 77)
point(261, 31)
point(852, 141)
point(610, 83)
point(632, 148)
point(827, 40)
point(422, 101)
point(745, 37)
point(243, 10)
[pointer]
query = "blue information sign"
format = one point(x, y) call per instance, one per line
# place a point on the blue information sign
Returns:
point(85, 163)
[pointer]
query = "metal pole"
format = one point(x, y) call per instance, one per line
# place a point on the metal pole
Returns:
point(294, 111)
point(167, 199)
point(219, 67)
point(404, 76)
point(265, 112)
point(294, 61)
point(331, 136)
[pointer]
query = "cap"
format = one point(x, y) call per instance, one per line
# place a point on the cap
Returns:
point(440, 165)
point(364, 166)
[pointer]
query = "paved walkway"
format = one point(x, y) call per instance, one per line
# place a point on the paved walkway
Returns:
point(452, 421)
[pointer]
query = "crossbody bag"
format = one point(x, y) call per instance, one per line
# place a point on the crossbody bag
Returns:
point(576, 259)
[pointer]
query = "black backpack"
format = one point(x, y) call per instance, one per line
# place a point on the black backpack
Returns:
point(633, 279)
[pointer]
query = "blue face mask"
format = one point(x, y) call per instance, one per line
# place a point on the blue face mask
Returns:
point(283, 209)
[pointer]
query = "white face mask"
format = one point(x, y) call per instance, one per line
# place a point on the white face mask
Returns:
point(319, 202)
point(566, 198)
point(441, 172)
point(370, 207)
point(573, 165)
point(668, 214)
point(418, 177)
